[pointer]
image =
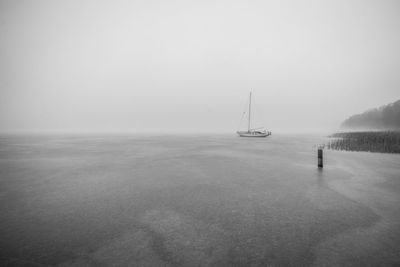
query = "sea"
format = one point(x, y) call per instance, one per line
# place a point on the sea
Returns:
point(195, 200)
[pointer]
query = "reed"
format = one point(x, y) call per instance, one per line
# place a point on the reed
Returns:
point(383, 141)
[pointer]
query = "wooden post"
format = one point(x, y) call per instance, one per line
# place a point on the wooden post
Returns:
point(320, 158)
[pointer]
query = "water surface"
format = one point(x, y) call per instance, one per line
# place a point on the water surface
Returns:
point(195, 201)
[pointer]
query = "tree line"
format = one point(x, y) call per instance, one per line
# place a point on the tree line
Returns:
point(383, 118)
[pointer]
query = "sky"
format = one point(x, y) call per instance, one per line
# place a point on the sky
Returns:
point(188, 66)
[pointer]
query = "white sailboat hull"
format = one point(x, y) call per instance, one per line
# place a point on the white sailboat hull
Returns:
point(253, 134)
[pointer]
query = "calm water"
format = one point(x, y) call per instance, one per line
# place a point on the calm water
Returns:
point(195, 201)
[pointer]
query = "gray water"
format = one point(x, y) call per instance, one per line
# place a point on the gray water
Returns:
point(195, 201)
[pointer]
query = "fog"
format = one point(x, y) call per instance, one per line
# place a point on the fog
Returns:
point(188, 66)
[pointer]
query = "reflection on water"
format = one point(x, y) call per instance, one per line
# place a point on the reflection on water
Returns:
point(193, 201)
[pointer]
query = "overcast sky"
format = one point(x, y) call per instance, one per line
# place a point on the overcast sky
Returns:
point(171, 66)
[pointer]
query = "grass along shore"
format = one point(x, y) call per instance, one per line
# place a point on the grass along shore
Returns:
point(383, 141)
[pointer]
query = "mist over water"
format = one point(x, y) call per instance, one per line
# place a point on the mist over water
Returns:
point(118, 145)
point(184, 65)
point(194, 200)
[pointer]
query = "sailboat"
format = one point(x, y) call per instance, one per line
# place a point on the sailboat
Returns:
point(258, 132)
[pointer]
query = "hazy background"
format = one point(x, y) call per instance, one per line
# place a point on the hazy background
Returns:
point(188, 65)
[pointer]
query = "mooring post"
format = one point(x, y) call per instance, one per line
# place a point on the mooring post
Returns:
point(320, 158)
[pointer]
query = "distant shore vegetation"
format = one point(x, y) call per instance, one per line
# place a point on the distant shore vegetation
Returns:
point(382, 141)
point(382, 118)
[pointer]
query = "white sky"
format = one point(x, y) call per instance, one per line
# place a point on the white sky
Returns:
point(188, 65)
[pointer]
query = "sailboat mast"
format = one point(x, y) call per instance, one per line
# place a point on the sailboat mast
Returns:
point(249, 112)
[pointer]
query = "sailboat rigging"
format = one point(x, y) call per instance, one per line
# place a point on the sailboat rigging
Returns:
point(257, 132)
